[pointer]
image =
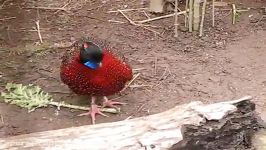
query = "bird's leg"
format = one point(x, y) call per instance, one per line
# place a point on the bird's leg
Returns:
point(110, 103)
point(93, 111)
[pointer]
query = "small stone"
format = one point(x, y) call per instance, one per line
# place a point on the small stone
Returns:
point(152, 146)
point(214, 79)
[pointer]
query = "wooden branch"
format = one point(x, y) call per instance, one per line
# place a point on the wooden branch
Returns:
point(190, 124)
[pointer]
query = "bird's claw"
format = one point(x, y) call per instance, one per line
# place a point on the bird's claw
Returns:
point(93, 111)
point(111, 104)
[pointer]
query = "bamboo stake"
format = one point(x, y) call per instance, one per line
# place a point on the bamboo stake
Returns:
point(186, 14)
point(190, 15)
point(176, 19)
point(213, 11)
point(202, 17)
point(196, 16)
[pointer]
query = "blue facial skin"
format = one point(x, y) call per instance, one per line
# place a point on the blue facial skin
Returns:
point(92, 65)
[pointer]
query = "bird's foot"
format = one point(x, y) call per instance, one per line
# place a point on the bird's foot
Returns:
point(111, 103)
point(93, 111)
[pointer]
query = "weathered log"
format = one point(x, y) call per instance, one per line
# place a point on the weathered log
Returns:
point(232, 132)
point(191, 126)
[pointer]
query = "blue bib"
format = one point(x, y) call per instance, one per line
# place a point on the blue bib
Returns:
point(92, 65)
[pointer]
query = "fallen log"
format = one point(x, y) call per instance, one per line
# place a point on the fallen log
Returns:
point(195, 125)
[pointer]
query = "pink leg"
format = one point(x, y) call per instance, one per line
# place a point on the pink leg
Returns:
point(110, 103)
point(93, 111)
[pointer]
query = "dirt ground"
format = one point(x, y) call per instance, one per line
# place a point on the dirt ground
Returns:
point(228, 62)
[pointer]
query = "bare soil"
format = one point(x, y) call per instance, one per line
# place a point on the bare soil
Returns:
point(228, 62)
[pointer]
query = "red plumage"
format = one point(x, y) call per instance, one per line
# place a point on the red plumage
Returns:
point(106, 80)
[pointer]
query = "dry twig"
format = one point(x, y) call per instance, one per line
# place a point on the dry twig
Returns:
point(146, 14)
point(7, 18)
point(8, 33)
point(115, 21)
point(130, 82)
point(161, 17)
point(137, 111)
point(124, 10)
point(151, 30)
point(2, 6)
point(63, 6)
point(138, 69)
point(155, 66)
point(163, 77)
point(38, 30)
point(234, 13)
point(48, 8)
point(164, 73)
point(133, 23)
point(139, 86)
point(2, 119)
point(129, 20)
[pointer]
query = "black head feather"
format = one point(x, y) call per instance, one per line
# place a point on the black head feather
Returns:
point(90, 52)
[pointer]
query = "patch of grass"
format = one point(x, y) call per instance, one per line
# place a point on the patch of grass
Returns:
point(39, 49)
point(29, 97)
